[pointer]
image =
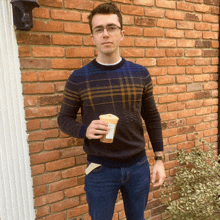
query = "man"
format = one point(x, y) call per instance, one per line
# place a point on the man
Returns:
point(111, 85)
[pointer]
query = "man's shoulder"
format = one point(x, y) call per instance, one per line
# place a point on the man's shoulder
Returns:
point(136, 67)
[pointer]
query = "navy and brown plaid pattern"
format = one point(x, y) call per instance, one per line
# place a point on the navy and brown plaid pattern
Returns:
point(124, 90)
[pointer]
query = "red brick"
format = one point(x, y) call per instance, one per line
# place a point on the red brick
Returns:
point(202, 61)
point(215, 10)
point(133, 52)
point(161, 80)
point(65, 15)
point(193, 17)
point(184, 79)
point(29, 76)
point(43, 135)
point(63, 184)
point(155, 53)
point(158, 71)
point(170, 164)
point(203, 8)
point(210, 53)
point(58, 143)
point(186, 129)
point(176, 106)
point(40, 13)
point(46, 178)
point(185, 62)
point(194, 70)
point(176, 70)
point(166, 4)
point(185, 6)
point(186, 113)
point(44, 157)
point(40, 190)
point(168, 116)
point(176, 15)
point(132, 10)
point(66, 40)
point(54, 3)
point(83, 4)
point(149, 22)
point(38, 88)
point(185, 96)
point(50, 26)
point(75, 171)
point(80, 52)
point(127, 42)
point(53, 75)
point(24, 51)
point(174, 33)
point(66, 63)
point(24, 38)
point(76, 28)
point(47, 52)
point(210, 102)
point(35, 64)
point(30, 101)
point(174, 140)
point(210, 35)
point(85, 17)
point(133, 31)
point(58, 216)
point(203, 111)
point(65, 204)
point(166, 23)
point(211, 85)
point(80, 210)
point(143, 2)
point(193, 53)
point(40, 112)
point(33, 124)
point(60, 164)
point(177, 89)
point(202, 26)
point(210, 132)
point(35, 147)
point(174, 52)
point(74, 191)
point(38, 169)
point(185, 43)
point(215, 27)
point(210, 69)
point(194, 104)
point(210, 18)
point(60, 86)
point(201, 78)
point(146, 61)
point(166, 43)
point(42, 211)
point(81, 159)
point(47, 199)
point(185, 25)
point(194, 120)
point(140, 42)
point(166, 62)
point(153, 32)
point(154, 12)
point(186, 145)
point(193, 34)
point(167, 98)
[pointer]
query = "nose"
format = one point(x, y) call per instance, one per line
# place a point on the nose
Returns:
point(105, 32)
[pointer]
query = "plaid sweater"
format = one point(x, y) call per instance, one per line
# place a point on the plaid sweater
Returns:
point(125, 90)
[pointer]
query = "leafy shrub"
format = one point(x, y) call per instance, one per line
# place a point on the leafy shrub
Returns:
point(197, 182)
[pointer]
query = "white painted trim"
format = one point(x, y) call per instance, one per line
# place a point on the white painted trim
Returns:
point(16, 192)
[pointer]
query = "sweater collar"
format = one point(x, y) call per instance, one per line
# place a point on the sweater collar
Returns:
point(108, 67)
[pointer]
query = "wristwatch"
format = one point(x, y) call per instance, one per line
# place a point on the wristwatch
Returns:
point(159, 158)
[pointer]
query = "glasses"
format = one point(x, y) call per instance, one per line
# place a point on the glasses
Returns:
point(111, 29)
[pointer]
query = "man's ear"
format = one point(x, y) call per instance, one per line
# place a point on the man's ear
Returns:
point(122, 35)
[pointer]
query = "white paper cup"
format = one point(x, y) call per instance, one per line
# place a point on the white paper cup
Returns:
point(112, 121)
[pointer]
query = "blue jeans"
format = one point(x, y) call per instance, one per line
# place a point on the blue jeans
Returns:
point(102, 186)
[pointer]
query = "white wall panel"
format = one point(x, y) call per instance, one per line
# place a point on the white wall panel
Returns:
point(16, 192)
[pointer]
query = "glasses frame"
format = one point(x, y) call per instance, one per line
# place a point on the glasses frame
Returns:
point(103, 29)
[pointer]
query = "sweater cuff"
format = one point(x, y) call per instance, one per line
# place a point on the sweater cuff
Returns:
point(157, 146)
point(82, 131)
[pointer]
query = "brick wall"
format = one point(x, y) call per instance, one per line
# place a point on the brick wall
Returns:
point(176, 40)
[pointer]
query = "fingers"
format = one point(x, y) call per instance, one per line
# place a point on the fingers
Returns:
point(97, 129)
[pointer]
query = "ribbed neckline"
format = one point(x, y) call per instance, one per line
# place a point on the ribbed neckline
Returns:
point(107, 67)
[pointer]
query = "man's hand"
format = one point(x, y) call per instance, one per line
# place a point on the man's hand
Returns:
point(158, 169)
point(97, 129)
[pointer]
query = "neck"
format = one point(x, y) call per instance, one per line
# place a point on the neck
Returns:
point(108, 58)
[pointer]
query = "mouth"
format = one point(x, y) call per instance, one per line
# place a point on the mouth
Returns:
point(106, 43)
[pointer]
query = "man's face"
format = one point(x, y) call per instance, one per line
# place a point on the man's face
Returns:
point(106, 42)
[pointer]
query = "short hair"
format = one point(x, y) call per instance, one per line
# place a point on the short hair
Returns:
point(105, 8)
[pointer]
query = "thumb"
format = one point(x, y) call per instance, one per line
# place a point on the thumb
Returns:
point(153, 177)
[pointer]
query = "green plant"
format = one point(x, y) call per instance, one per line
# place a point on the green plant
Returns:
point(197, 181)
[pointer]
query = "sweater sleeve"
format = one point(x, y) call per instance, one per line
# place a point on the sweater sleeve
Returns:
point(151, 116)
point(69, 109)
